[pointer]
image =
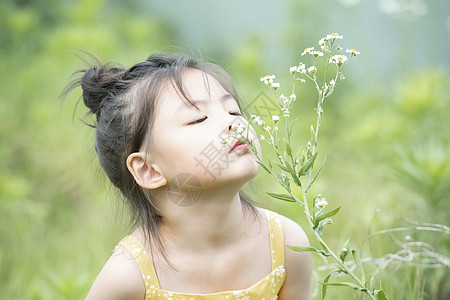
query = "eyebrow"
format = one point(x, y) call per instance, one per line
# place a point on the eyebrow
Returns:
point(196, 103)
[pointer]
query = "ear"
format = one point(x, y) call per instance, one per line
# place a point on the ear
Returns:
point(146, 174)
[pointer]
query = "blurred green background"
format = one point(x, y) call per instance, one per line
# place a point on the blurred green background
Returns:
point(385, 133)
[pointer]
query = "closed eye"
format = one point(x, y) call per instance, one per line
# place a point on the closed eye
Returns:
point(198, 121)
point(235, 114)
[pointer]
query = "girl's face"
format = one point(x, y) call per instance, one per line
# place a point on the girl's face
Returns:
point(188, 140)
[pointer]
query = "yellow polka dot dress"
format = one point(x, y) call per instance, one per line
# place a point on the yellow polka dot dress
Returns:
point(265, 289)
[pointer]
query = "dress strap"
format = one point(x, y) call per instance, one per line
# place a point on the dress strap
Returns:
point(276, 239)
point(140, 255)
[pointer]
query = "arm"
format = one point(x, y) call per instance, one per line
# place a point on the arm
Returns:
point(120, 278)
point(298, 264)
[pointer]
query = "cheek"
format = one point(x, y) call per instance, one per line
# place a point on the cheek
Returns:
point(183, 151)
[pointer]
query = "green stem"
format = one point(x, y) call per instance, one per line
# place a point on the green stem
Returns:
point(319, 238)
point(319, 114)
point(332, 254)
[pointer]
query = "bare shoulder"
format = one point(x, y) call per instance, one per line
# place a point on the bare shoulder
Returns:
point(298, 264)
point(293, 233)
point(120, 278)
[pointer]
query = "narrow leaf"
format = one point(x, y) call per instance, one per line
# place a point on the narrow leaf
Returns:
point(372, 283)
point(308, 249)
point(288, 149)
point(325, 285)
point(358, 263)
point(315, 176)
point(296, 179)
point(308, 165)
point(285, 168)
point(350, 284)
point(328, 214)
point(303, 249)
point(380, 295)
point(283, 197)
point(288, 168)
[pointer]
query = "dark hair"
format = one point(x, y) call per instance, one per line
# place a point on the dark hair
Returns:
point(123, 101)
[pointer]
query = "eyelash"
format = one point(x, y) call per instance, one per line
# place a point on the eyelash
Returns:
point(204, 118)
point(198, 121)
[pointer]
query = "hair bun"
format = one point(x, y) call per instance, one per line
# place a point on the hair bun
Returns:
point(98, 83)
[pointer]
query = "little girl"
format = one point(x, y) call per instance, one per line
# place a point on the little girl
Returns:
point(158, 137)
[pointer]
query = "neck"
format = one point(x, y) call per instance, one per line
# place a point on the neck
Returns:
point(215, 220)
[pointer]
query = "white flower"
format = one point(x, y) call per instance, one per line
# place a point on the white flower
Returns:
point(293, 69)
point(292, 97)
point(334, 36)
point(312, 69)
point(307, 50)
point(262, 138)
point(238, 128)
point(268, 79)
point(284, 98)
point(332, 82)
point(275, 85)
point(301, 68)
point(322, 41)
point(338, 59)
point(258, 120)
point(275, 118)
point(275, 128)
point(301, 80)
point(321, 202)
point(325, 48)
point(316, 53)
point(353, 52)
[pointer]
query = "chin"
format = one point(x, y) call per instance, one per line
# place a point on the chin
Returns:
point(244, 171)
point(236, 175)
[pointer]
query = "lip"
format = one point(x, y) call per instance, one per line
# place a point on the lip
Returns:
point(239, 146)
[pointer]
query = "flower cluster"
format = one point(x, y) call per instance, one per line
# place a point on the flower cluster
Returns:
point(269, 130)
point(238, 128)
point(285, 103)
point(301, 68)
point(301, 72)
point(268, 80)
point(237, 131)
point(312, 52)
